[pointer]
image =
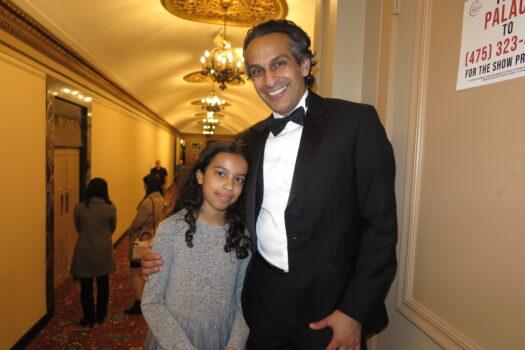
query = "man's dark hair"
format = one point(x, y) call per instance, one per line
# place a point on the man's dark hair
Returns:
point(299, 42)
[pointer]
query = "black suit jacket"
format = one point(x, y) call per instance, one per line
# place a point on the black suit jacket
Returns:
point(341, 214)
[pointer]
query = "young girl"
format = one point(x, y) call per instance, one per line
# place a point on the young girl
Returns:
point(194, 301)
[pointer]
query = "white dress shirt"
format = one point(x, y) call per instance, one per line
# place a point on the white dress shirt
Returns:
point(280, 155)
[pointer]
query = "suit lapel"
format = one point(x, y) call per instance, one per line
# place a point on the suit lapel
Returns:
point(255, 186)
point(314, 128)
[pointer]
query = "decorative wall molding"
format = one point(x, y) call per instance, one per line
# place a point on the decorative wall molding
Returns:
point(20, 25)
point(22, 65)
point(435, 327)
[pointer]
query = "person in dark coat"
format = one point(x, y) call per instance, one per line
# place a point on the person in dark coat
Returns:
point(95, 222)
point(160, 171)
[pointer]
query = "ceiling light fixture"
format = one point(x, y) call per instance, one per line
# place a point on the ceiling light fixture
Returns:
point(223, 64)
point(209, 122)
point(212, 103)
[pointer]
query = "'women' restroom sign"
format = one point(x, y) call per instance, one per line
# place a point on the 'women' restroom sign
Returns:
point(492, 42)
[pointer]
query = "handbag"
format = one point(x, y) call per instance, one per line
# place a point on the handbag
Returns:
point(141, 243)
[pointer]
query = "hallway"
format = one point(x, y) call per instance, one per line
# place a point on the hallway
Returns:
point(119, 331)
point(104, 89)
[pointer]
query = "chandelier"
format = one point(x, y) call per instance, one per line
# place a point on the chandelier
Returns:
point(222, 64)
point(209, 122)
point(212, 103)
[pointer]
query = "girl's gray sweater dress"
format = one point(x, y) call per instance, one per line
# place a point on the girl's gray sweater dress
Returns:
point(193, 302)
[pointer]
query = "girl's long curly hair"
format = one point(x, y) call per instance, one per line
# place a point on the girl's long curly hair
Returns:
point(191, 199)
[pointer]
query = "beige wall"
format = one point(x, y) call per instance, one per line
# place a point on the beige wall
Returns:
point(352, 51)
point(124, 149)
point(401, 334)
point(460, 193)
point(371, 57)
point(339, 47)
point(469, 189)
point(23, 208)
point(125, 145)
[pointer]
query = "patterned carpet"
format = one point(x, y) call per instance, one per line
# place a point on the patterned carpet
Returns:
point(119, 331)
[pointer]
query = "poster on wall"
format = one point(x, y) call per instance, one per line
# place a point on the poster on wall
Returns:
point(492, 42)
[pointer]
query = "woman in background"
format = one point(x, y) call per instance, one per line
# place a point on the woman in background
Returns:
point(149, 214)
point(95, 222)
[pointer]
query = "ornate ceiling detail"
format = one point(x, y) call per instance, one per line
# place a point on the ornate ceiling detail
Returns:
point(197, 77)
point(201, 77)
point(241, 13)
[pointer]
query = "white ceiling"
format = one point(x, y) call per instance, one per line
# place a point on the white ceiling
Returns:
point(147, 51)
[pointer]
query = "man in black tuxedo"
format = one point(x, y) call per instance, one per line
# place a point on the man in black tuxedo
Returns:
point(320, 206)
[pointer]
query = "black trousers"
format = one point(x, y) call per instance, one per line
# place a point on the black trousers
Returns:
point(87, 297)
point(278, 311)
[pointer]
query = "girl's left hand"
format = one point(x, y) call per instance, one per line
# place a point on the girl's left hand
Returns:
point(229, 348)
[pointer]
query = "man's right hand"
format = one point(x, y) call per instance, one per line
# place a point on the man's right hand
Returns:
point(151, 262)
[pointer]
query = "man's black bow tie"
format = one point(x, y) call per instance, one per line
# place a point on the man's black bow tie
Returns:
point(277, 124)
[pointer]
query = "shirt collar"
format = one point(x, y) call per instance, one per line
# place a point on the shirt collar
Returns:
point(302, 103)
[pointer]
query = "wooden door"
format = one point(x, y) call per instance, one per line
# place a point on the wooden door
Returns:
point(59, 216)
point(72, 197)
point(66, 196)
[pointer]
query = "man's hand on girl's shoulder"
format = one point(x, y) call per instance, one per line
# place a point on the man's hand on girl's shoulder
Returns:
point(150, 262)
